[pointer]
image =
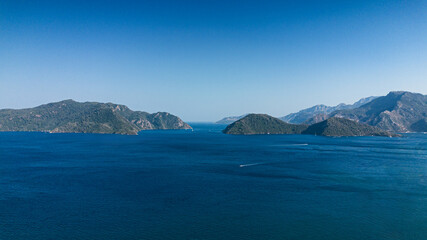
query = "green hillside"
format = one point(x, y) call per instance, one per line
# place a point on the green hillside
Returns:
point(262, 124)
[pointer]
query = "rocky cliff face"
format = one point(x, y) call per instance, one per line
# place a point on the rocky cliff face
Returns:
point(398, 112)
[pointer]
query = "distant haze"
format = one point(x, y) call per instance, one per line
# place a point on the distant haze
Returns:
point(205, 60)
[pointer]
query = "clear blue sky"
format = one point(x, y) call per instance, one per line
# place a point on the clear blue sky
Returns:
point(203, 60)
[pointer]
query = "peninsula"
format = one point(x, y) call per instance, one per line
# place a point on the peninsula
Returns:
point(69, 116)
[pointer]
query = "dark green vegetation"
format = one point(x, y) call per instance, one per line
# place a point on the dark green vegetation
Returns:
point(265, 124)
point(89, 117)
point(419, 126)
point(397, 112)
point(338, 127)
point(262, 124)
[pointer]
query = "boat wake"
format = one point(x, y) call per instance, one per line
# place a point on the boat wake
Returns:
point(250, 164)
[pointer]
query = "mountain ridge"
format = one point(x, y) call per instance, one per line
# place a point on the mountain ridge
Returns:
point(321, 110)
point(398, 111)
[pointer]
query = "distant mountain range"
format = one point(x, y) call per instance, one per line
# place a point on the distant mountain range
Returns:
point(318, 111)
point(322, 110)
point(69, 116)
point(228, 120)
point(337, 127)
point(398, 112)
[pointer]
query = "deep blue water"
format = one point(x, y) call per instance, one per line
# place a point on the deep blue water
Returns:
point(203, 184)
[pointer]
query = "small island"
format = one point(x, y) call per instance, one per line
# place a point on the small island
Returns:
point(263, 124)
point(69, 116)
point(334, 127)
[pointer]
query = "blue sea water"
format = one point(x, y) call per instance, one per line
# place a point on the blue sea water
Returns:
point(203, 184)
